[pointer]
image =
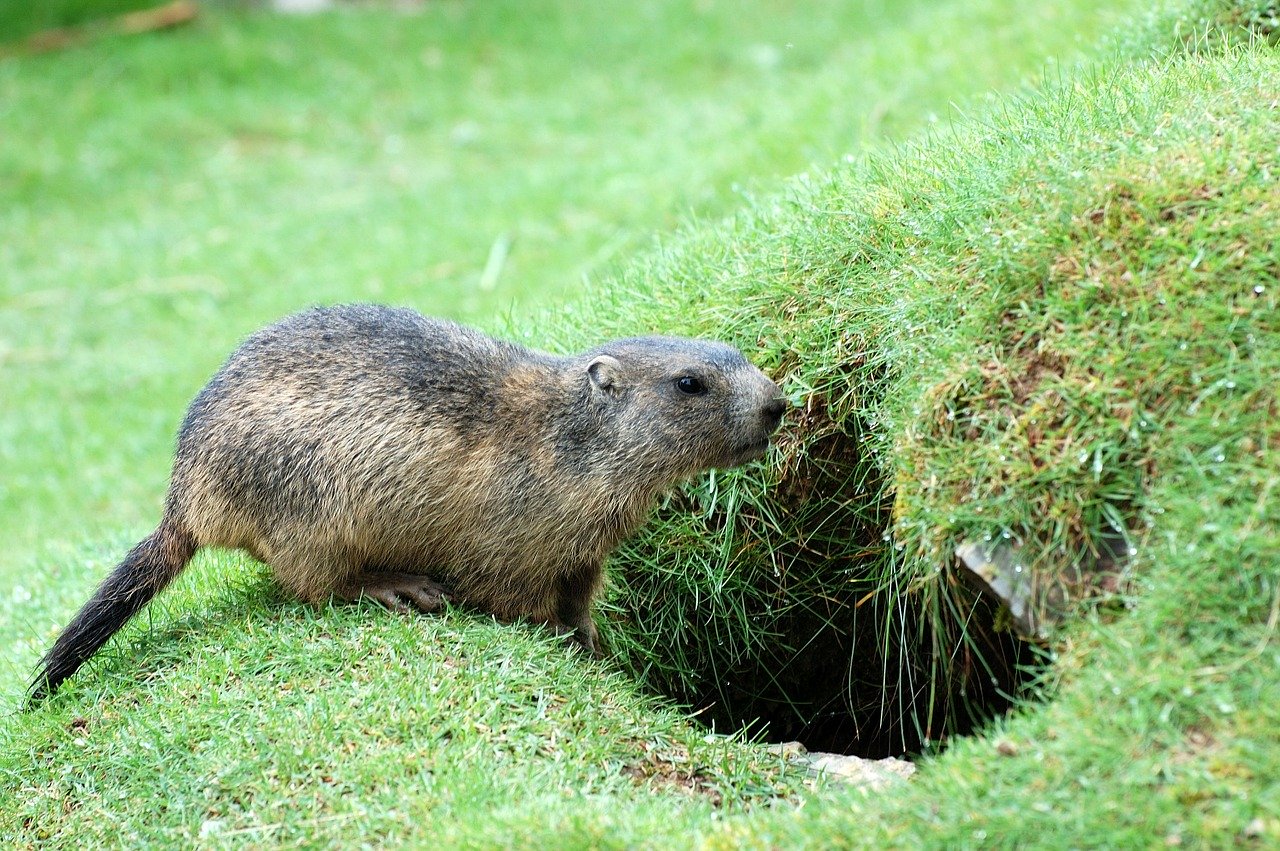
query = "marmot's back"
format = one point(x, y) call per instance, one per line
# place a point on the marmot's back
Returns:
point(353, 356)
point(356, 427)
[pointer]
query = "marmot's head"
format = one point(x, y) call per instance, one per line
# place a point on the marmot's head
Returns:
point(679, 406)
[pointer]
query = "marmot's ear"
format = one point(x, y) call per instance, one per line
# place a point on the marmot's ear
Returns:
point(604, 373)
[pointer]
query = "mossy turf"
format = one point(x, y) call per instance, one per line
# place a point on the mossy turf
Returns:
point(983, 333)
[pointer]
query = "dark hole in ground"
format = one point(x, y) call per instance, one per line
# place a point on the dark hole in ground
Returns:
point(856, 668)
point(883, 701)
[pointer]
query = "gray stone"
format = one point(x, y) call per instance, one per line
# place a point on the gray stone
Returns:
point(301, 7)
point(871, 774)
point(1038, 599)
point(874, 775)
point(999, 568)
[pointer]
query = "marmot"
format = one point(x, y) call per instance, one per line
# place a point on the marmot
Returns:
point(366, 451)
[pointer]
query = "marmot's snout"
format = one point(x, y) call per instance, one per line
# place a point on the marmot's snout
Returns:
point(762, 420)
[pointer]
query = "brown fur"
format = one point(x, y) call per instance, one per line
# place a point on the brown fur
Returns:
point(366, 451)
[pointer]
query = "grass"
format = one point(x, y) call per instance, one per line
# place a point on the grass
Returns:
point(979, 272)
point(19, 19)
point(355, 732)
point(1056, 325)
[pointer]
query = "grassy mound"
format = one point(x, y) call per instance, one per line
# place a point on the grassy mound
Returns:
point(1016, 333)
point(265, 722)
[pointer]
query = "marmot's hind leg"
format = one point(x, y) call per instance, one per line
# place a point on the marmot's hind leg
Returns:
point(400, 592)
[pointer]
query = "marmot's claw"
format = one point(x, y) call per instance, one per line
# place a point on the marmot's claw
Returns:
point(404, 592)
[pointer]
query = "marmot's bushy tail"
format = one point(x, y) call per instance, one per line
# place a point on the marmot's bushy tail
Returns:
point(145, 571)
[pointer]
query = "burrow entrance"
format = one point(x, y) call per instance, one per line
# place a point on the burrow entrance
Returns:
point(848, 665)
point(869, 694)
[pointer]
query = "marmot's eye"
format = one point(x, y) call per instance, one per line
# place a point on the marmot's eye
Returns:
point(690, 386)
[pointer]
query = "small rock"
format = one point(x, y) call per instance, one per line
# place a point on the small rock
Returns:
point(1004, 747)
point(871, 774)
point(999, 568)
point(301, 7)
point(1037, 600)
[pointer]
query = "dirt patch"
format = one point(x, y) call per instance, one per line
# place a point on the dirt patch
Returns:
point(670, 766)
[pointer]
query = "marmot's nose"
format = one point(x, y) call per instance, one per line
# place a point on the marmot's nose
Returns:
point(773, 410)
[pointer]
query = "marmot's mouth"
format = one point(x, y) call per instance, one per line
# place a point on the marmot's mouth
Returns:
point(750, 451)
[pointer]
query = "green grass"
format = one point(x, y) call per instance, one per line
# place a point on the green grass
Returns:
point(978, 273)
point(930, 313)
point(344, 727)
